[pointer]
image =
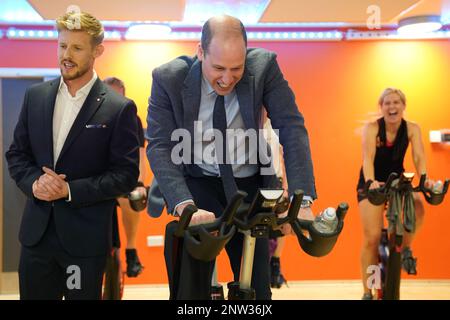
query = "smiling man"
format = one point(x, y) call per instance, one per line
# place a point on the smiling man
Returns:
point(225, 87)
point(75, 150)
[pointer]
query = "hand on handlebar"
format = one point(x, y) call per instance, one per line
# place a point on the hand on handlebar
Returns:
point(376, 185)
point(199, 217)
point(202, 217)
point(303, 214)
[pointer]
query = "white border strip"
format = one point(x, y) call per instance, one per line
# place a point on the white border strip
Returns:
point(29, 72)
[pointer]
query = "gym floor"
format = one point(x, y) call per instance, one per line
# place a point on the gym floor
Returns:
point(306, 290)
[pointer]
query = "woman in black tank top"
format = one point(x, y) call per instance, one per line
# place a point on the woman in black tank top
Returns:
point(385, 142)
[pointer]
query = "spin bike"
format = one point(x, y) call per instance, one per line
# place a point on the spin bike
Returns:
point(398, 194)
point(256, 220)
point(114, 277)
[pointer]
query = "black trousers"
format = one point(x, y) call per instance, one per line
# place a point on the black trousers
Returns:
point(48, 272)
point(194, 280)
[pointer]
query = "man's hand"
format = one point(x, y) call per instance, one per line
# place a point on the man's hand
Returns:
point(303, 213)
point(202, 217)
point(199, 217)
point(50, 186)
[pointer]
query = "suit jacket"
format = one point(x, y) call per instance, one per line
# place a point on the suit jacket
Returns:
point(100, 158)
point(175, 103)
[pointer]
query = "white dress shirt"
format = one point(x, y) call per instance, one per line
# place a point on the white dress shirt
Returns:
point(65, 112)
point(242, 152)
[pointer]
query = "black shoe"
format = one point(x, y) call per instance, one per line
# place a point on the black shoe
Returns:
point(276, 278)
point(134, 266)
point(409, 263)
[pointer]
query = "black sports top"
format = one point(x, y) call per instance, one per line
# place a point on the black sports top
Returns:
point(388, 158)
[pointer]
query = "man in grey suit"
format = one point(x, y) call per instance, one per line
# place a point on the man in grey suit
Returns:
point(225, 85)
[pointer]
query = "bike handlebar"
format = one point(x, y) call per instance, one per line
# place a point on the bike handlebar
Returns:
point(259, 218)
point(199, 241)
point(433, 198)
point(379, 196)
point(226, 218)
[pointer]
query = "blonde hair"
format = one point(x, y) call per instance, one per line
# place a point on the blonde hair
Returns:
point(388, 91)
point(81, 21)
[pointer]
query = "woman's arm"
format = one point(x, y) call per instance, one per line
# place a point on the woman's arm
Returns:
point(369, 145)
point(418, 151)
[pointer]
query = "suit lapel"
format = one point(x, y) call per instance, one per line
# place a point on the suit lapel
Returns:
point(93, 101)
point(245, 93)
point(191, 96)
point(49, 108)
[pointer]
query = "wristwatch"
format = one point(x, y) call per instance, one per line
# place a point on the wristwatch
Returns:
point(306, 203)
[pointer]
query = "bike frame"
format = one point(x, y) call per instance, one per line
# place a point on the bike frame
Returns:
point(397, 197)
point(395, 235)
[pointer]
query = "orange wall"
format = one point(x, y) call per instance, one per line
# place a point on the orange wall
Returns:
point(336, 85)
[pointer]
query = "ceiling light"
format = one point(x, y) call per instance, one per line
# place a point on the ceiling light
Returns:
point(147, 31)
point(419, 24)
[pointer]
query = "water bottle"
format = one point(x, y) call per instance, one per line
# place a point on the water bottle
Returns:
point(326, 222)
point(437, 187)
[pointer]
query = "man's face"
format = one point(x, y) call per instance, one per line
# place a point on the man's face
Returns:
point(223, 65)
point(76, 53)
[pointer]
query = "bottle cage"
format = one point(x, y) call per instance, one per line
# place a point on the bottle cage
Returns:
point(318, 244)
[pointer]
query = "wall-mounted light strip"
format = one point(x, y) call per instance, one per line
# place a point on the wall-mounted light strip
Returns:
point(28, 34)
point(113, 35)
point(394, 35)
point(251, 36)
point(296, 36)
point(13, 33)
point(331, 35)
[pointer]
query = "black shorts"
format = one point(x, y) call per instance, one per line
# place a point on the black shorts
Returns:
point(360, 194)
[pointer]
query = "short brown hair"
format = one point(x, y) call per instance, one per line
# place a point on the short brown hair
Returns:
point(114, 81)
point(208, 31)
point(81, 21)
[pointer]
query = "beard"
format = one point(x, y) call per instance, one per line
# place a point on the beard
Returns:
point(78, 72)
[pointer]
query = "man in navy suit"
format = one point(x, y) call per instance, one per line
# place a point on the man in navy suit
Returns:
point(75, 150)
point(189, 91)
